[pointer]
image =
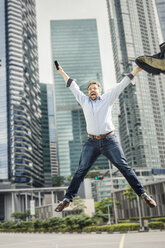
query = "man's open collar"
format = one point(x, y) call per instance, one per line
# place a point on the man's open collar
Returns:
point(99, 98)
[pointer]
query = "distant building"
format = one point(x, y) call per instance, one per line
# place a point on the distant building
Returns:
point(104, 188)
point(18, 200)
point(48, 134)
point(160, 4)
point(85, 190)
point(45, 137)
point(128, 209)
point(142, 106)
point(75, 45)
point(20, 116)
point(52, 131)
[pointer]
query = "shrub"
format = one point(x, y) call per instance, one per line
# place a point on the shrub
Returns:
point(113, 228)
point(56, 224)
point(162, 219)
point(84, 220)
point(156, 225)
point(100, 218)
point(56, 221)
point(24, 225)
point(134, 218)
point(71, 222)
point(37, 224)
point(8, 225)
point(21, 215)
point(77, 222)
point(146, 217)
point(124, 221)
point(45, 225)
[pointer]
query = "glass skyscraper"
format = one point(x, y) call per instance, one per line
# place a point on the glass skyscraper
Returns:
point(142, 106)
point(160, 4)
point(45, 136)
point(75, 45)
point(20, 115)
point(50, 160)
point(4, 170)
point(52, 131)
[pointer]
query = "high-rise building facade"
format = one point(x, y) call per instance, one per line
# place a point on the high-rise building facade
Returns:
point(4, 170)
point(50, 161)
point(160, 5)
point(52, 131)
point(142, 106)
point(20, 115)
point(75, 45)
point(45, 136)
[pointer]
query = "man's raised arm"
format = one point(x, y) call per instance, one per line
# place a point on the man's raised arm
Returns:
point(61, 71)
point(80, 97)
point(115, 92)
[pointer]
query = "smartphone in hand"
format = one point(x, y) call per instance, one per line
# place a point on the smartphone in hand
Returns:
point(56, 64)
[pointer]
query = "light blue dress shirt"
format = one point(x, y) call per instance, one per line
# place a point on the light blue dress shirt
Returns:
point(98, 113)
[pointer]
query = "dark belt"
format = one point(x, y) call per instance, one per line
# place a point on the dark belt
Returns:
point(101, 136)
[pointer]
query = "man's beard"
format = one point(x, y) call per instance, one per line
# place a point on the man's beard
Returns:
point(93, 96)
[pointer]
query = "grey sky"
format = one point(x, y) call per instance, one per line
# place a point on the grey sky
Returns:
point(73, 9)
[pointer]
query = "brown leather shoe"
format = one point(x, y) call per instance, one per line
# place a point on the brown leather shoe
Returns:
point(150, 202)
point(62, 205)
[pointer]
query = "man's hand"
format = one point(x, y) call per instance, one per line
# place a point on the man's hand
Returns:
point(136, 70)
point(61, 71)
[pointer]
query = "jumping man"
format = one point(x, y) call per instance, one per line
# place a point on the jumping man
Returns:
point(102, 139)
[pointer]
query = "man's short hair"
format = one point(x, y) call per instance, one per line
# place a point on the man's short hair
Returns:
point(94, 82)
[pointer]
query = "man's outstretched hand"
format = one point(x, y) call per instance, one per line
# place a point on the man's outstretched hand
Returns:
point(59, 68)
point(61, 71)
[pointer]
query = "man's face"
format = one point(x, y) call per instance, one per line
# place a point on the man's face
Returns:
point(94, 91)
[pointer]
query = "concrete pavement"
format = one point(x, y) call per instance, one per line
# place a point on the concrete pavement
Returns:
point(153, 239)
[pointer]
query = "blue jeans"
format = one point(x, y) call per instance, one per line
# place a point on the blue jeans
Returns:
point(110, 148)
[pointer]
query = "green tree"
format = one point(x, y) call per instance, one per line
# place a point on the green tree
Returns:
point(20, 215)
point(99, 218)
point(58, 181)
point(68, 179)
point(101, 215)
point(101, 205)
point(78, 204)
point(94, 172)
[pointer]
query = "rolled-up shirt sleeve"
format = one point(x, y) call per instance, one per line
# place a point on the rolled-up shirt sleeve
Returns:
point(80, 96)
